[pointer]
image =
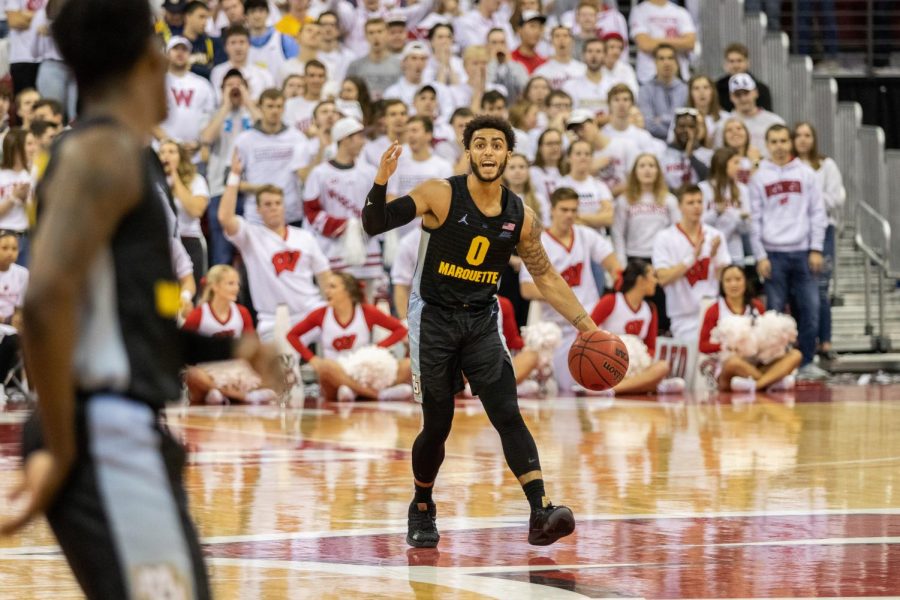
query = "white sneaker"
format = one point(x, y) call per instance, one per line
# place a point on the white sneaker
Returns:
point(529, 387)
point(812, 372)
point(671, 385)
point(402, 391)
point(345, 394)
point(784, 384)
point(743, 384)
point(214, 396)
point(261, 396)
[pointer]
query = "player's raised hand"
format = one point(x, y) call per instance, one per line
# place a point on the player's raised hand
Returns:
point(388, 163)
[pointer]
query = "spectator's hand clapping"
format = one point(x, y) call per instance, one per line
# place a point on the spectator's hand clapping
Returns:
point(21, 191)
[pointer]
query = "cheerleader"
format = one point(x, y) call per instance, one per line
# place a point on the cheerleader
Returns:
point(628, 312)
point(219, 315)
point(738, 374)
point(346, 324)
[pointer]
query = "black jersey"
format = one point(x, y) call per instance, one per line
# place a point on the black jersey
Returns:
point(128, 340)
point(460, 262)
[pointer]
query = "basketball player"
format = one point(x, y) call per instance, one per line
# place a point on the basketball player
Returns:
point(470, 226)
point(100, 333)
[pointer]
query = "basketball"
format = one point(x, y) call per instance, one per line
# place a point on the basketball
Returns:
point(598, 360)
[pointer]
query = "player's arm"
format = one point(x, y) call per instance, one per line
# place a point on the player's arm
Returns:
point(551, 285)
point(379, 215)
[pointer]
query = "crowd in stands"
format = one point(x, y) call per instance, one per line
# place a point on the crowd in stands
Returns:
point(652, 180)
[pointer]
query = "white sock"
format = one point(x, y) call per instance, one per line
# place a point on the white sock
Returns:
point(671, 385)
point(785, 383)
point(345, 394)
point(743, 384)
point(401, 391)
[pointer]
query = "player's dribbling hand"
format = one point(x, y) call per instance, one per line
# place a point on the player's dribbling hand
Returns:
point(43, 475)
point(388, 163)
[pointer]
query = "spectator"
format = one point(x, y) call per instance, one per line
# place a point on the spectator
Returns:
point(346, 324)
point(236, 39)
point(468, 94)
point(295, 18)
point(191, 194)
point(19, 148)
point(25, 101)
point(425, 104)
point(737, 374)
point(618, 70)
point(445, 11)
point(54, 79)
point(571, 248)
point(283, 262)
point(617, 314)
point(613, 157)
point(231, 13)
point(659, 97)
point(23, 31)
point(205, 52)
point(172, 22)
point(595, 206)
point(523, 118)
point(293, 86)
point(354, 89)
point(510, 74)
point(237, 114)
point(736, 135)
point(473, 27)
point(589, 90)
point(688, 257)
point(191, 99)
point(726, 201)
point(788, 236)
point(621, 102)
point(414, 59)
point(397, 32)
point(758, 120)
point(530, 34)
point(335, 56)
point(833, 195)
point(269, 49)
point(517, 179)
point(452, 149)
point(49, 111)
point(559, 109)
point(702, 95)
point(334, 194)
point(588, 21)
point(14, 283)
point(298, 112)
point(583, 25)
point(660, 22)
point(44, 133)
point(272, 155)
point(395, 117)
point(379, 68)
point(737, 60)
point(685, 161)
point(545, 173)
point(561, 68)
point(443, 67)
point(320, 147)
point(354, 20)
point(310, 42)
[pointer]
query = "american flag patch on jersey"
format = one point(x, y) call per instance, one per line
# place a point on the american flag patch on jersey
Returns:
point(509, 226)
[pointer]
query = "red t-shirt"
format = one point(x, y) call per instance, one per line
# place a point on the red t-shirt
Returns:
point(529, 62)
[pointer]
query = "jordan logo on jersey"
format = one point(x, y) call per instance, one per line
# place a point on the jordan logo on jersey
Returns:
point(572, 275)
point(344, 343)
point(634, 327)
point(285, 261)
point(699, 271)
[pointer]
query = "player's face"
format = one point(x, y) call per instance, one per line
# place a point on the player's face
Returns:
point(228, 287)
point(271, 209)
point(564, 214)
point(691, 206)
point(803, 139)
point(779, 145)
point(9, 251)
point(488, 154)
point(734, 283)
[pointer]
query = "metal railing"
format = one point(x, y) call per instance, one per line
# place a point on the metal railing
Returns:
point(871, 226)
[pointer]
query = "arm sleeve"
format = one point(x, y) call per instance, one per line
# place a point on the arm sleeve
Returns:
point(603, 309)
point(192, 322)
point(710, 319)
point(379, 215)
point(652, 330)
point(247, 319)
point(312, 320)
point(376, 317)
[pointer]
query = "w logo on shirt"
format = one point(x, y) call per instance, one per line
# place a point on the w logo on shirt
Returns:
point(285, 261)
point(698, 272)
point(572, 275)
point(183, 97)
point(634, 327)
point(344, 342)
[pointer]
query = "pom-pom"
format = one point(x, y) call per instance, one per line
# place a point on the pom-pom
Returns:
point(775, 332)
point(233, 374)
point(354, 243)
point(543, 337)
point(736, 335)
point(639, 358)
point(371, 366)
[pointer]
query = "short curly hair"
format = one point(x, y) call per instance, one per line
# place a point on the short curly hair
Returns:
point(486, 122)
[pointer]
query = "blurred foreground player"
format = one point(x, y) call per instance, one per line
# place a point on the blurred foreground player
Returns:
point(100, 333)
point(470, 226)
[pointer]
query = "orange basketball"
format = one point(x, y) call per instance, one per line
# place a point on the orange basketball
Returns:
point(598, 360)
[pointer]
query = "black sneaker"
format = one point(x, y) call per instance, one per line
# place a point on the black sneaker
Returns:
point(550, 523)
point(422, 530)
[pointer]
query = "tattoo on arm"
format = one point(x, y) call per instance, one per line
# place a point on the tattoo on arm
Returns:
point(532, 252)
point(581, 317)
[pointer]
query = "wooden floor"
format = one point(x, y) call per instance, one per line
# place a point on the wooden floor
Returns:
point(788, 495)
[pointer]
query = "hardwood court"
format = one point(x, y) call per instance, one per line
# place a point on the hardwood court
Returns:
point(788, 495)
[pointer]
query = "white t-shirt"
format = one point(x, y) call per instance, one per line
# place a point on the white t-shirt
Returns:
point(21, 41)
point(13, 284)
point(641, 138)
point(622, 153)
point(623, 73)
point(16, 219)
point(757, 125)
point(558, 73)
point(407, 257)
point(667, 21)
point(192, 102)
point(591, 193)
point(189, 226)
point(588, 95)
point(544, 181)
point(334, 195)
point(273, 159)
point(280, 270)
point(410, 173)
point(298, 112)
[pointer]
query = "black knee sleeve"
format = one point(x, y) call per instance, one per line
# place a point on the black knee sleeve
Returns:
point(428, 449)
point(502, 407)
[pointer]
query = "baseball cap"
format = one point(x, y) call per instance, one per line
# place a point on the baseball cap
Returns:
point(419, 48)
point(532, 15)
point(174, 6)
point(177, 40)
point(613, 35)
point(578, 117)
point(427, 86)
point(741, 82)
point(345, 128)
point(395, 17)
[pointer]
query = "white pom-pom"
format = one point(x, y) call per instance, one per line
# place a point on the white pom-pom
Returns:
point(371, 366)
point(354, 243)
point(235, 374)
point(543, 337)
point(775, 332)
point(639, 358)
point(736, 335)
